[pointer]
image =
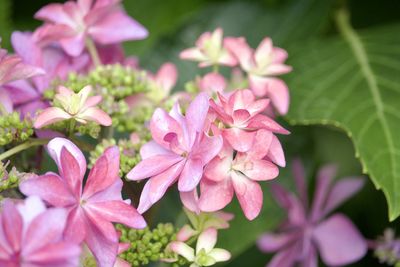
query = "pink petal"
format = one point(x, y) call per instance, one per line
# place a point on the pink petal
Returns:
point(324, 179)
point(240, 140)
point(54, 13)
point(22, 91)
point(12, 225)
point(197, 111)
point(277, 69)
point(49, 116)
point(269, 242)
point(117, 27)
point(278, 92)
point(341, 191)
point(70, 171)
point(5, 101)
point(262, 144)
point(191, 175)
point(299, 178)
point(249, 194)
point(102, 241)
point(212, 83)
point(206, 240)
point(55, 146)
point(241, 99)
point(161, 124)
point(183, 249)
point(185, 233)
point(275, 153)
point(215, 195)
point(97, 115)
point(219, 169)
point(156, 187)
point(46, 228)
point(104, 172)
point(73, 45)
point(49, 187)
point(260, 170)
point(112, 192)
point(339, 241)
point(207, 148)
point(152, 149)
point(285, 258)
point(263, 52)
point(241, 50)
point(153, 165)
point(192, 54)
point(76, 229)
point(167, 76)
point(60, 254)
point(118, 212)
point(190, 200)
point(263, 122)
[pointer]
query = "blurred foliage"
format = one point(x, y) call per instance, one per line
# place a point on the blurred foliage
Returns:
point(306, 28)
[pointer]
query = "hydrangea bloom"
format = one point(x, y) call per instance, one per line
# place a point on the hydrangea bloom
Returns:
point(179, 151)
point(31, 235)
point(241, 116)
point(228, 173)
point(205, 253)
point(210, 50)
point(308, 228)
point(212, 83)
point(262, 65)
point(91, 208)
point(77, 106)
point(72, 23)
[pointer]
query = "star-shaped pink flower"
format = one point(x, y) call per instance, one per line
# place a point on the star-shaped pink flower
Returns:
point(91, 208)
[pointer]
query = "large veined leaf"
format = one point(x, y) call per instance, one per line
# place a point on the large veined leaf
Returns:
point(353, 82)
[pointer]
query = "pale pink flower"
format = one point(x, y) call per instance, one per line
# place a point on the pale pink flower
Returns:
point(308, 228)
point(31, 235)
point(242, 118)
point(77, 106)
point(179, 151)
point(262, 65)
point(205, 254)
point(92, 207)
point(163, 82)
point(72, 23)
point(212, 83)
point(210, 50)
point(238, 173)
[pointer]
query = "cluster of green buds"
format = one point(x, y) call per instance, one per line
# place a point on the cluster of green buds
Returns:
point(14, 129)
point(9, 179)
point(129, 152)
point(387, 248)
point(148, 245)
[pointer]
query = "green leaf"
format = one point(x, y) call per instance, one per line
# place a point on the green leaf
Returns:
point(353, 82)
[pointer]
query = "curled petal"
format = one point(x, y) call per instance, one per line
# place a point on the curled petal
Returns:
point(97, 115)
point(49, 116)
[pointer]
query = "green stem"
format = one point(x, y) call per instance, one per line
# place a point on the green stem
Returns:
point(91, 47)
point(216, 68)
point(72, 124)
point(23, 146)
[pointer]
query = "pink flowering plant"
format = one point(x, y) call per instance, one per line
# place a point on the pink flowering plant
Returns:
point(105, 161)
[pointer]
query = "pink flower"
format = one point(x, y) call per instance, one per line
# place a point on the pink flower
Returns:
point(79, 107)
point(262, 65)
point(308, 227)
point(179, 151)
point(205, 253)
point(210, 51)
point(91, 208)
point(240, 114)
point(212, 83)
point(163, 81)
point(239, 173)
point(32, 235)
point(72, 23)
point(26, 94)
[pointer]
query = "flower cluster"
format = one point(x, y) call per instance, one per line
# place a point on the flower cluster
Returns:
point(69, 91)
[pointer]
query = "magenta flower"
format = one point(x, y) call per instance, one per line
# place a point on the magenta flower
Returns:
point(230, 173)
point(308, 228)
point(241, 116)
point(210, 51)
point(91, 208)
point(72, 23)
point(262, 65)
point(179, 151)
point(79, 107)
point(31, 235)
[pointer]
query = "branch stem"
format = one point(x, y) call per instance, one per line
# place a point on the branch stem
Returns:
point(23, 146)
